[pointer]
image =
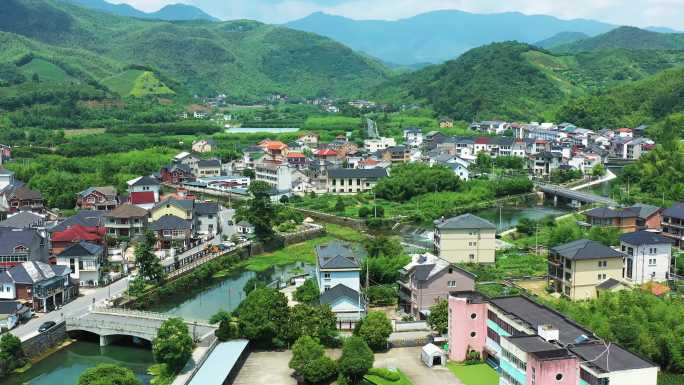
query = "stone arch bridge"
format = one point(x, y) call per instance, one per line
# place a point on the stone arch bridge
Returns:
point(112, 323)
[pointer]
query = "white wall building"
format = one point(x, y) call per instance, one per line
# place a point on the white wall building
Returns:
point(648, 256)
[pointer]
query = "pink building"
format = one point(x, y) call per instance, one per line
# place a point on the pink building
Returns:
point(467, 325)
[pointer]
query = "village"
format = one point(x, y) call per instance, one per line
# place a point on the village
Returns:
point(185, 216)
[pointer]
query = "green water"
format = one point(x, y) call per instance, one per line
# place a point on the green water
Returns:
point(509, 217)
point(65, 366)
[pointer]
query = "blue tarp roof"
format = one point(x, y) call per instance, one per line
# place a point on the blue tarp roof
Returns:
point(220, 363)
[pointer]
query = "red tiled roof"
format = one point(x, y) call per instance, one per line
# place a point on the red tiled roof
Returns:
point(142, 197)
point(482, 140)
point(79, 233)
point(369, 162)
point(273, 144)
point(295, 155)
point(624, 129)
point(326, 152)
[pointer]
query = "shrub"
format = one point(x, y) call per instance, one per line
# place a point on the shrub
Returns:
point(385, 374)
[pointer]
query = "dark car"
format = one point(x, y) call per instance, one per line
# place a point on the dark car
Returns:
point(46, 326)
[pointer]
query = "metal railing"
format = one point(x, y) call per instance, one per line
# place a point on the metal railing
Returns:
point(148, 315)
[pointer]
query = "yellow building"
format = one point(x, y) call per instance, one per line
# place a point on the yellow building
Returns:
point(578, 268)
point(181, 208)
point(465, 239)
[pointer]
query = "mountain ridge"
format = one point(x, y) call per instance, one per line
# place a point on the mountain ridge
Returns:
point(170, 12)
point(624, 37)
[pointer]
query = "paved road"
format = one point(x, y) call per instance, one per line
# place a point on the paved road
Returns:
point(405, 359)
point(75, 308)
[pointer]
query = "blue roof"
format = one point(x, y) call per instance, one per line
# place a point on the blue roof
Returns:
point(220, 363)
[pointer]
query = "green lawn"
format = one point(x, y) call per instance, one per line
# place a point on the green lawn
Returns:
point(46, 71)
point(300, 252)
point(370, 379)
point(481, 374)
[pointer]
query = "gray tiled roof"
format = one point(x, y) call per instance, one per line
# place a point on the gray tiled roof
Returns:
point(614, 359)
point(351, 173)
point(146, 181)
point(206, 208)
point(338, 291)
point(30, 238)
point(82, 249)
point(676, 211)
point(33, 271)
point(85, 218)
point(608, 284)
point(644, 238)
point(170, 222)
point(185, 204)
point(583, 249)
point(465, 221)
point(209, 163)
point(22, 220)
point(336, 255)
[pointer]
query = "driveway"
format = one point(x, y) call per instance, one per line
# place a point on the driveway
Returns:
point(266, 368)
point(408, 361)
point(270, 368)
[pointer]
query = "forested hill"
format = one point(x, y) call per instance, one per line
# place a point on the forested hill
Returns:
point(520, 82)
point(246, 60)
point(630, 38)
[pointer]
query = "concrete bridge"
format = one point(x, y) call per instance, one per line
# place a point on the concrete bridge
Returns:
point(576, 198)
point(112, 323)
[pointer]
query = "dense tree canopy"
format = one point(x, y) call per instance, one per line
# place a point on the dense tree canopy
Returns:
point(357, 358)
point(413, 179)
point(173, 344)
point(375, 329)
point(263, 317)
point(108, 374)
point(439, 316)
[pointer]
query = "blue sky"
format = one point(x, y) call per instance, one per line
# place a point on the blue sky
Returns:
point(643, 13)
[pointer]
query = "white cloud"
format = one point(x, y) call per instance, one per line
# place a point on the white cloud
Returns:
point(643, 13)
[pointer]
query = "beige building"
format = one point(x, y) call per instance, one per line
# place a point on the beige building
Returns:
point(465, 239)
point(353, 181)
point(579, 268)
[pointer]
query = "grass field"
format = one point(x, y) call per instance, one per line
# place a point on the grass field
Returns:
point(82, 132)
point(481, 374)
point(46, 71)
point(136, 83)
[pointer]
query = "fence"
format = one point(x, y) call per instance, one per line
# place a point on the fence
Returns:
point(356, 224)
point(408, 326)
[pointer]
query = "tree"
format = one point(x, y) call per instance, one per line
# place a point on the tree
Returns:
point(252, 284)
point(259, 210)
point(439, 316)
point(375, 329)
point(310, 362)
point(308, 293)
point(357, 358)
point(35, 78)
point(526, 226)
point(364, 212)
point(564, 233)
point(11, 354)
point(220, 316)
point(227, 330)
point(173, 344)
point(483, 163)
point(339, 205)
point(248, 172)
point(598, 170)
point(315, 321)
point(147, 262)
point(108, 374)
point(263, 317)
point(414, 179)
point(609, 236)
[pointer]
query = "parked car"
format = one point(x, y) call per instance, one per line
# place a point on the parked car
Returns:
point(46, 326)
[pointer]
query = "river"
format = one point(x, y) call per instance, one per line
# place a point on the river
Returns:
point(65, 366)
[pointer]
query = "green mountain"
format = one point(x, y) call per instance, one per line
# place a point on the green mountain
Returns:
point(520, 82)
point(168, 12)
point(246, 60)
point(435, 37)
point(561, 39)
point(649, 100)
point(627, 38)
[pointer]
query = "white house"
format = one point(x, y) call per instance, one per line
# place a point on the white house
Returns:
point(84, 259)
point(413, 137)
point(144, 191)
point(337, 274)
point(648, 256)
point(375, 145)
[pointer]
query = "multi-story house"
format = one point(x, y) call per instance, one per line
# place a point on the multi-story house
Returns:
point(204, 145)
point(25, 220)
point(673, 224)
point(274, 149)
point(22, 198)
point(535, 345)
point(84, 260)
point(21, 245)
point(127, 221)
point(42, 285)
point(445, 122)
point(647, 256)
point(97, 198)
point(627, 148)
point(296, 159)
point(143, 191)
point(63, 239)
point(337, 275)
point(172, 231)
point(465, 239)
point(206, 218)
point(207, 168)
point(433, 138)
point(177, 173)
point(413, 137)
point(428, 279)
point(544, 163)
point(378, 144)
point(627, 220)
point(279, 176)
point(396, 154)
point(182, 208)
point(577, 268)
point(353, 181)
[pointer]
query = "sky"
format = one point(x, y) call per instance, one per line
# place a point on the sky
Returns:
point(641, 13)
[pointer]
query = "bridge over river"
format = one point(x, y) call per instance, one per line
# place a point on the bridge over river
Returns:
point(576, 198)
point(111, 323)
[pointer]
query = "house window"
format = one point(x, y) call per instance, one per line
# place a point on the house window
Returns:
point(451, 283)
point(652, 250)
point(472, 244)
point(601, 277)
point(326, 287)
point(472, 256)
point(651, 261)
point(602, 263)
point(326, 275)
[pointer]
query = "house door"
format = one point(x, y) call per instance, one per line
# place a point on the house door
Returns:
point(630, 267)
point(436, 361)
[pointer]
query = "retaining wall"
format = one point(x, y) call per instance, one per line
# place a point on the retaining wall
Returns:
point(41, 342)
